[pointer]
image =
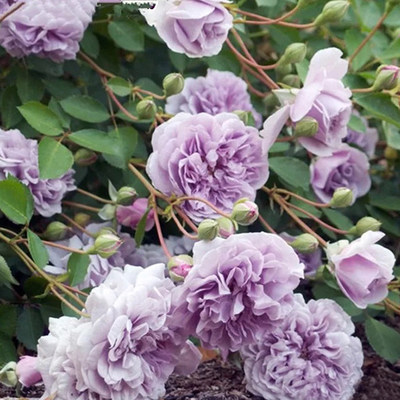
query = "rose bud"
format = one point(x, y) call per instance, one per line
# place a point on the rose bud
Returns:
point(308, 126)
point(146, 109)
point(366, 224)
point(332, 12)
point(245, 212)
point(208, 229)
point(126, 195)
point(56, 231)
point(85, 157)
point(27, 372)
point(305, 243)
point(292, 81)
point(387, 77)
point(342, 197)
point(105, 245)
point(173, 84)
point(82, 219)
point(131, 215)
point(8, 375)
point(179, 267)
point(226, 226)
point(107, 212)
point(294, 53)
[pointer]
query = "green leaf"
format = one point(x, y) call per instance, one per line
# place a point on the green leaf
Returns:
point(120, 86)
point(54, 159)
point(140, 230)
point(356, 124)
point(30, 327)
point(41, 118)
point(353, 38)
point(127, 140)
point(8, 351)
point(6, 278)
point(77, 268)
point(16, 201)
point(291, 170)
point(380, 105)
point(37, 249)
point(8, 316)
point(90, 44)
point(85, 108)
point(389, 223)
point(96, 140)
point(386, 202)
point(393, 51)
point(338, 219)
point(29, 86)
point(127, 35)
point(9, 103)
point(392, 134)
point(383, 339)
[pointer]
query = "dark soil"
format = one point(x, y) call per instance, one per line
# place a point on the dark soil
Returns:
point(215, 380)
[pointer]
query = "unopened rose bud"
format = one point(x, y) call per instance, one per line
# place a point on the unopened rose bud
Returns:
point(107, 212)
point(227, 227)
point(342, 197)
point(106, 245)
point(305, 243)
point(126, 195)
point(173, 84)
point(8, 375)
point(390, 153)
point(307, 127)
point(332, 12)
point(283, 70)
point(82, 219)
point(246, 116)
point(387, 77)
point(56, 231)
point(27, 371)
point(364, 225)
point(294, 53)
point(179, 267)
point(292, 81)
point(105, 230)
point(244, 212)
point(208, 229)
point(85, 157)
point(146, 109)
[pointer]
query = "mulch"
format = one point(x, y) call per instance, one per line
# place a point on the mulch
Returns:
point(215, 380)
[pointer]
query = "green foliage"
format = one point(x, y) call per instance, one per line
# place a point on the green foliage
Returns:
point(54, 159)
point(37, 249)
point(77, 268)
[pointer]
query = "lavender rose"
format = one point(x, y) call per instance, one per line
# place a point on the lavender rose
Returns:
point(197, 28)
point(366, 141)
point(127, 349)
point(346, 167)
point(216, 158)
point(363, 268)
point(217, 92)
point(325, 99)
point(310, 356)
point(238, 288)
point(47, 29)
point(19, 157)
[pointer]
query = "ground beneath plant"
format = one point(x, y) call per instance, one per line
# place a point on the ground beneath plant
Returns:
point(215, 380)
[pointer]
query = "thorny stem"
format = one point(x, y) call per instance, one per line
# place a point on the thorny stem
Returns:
point(368, 37)
point(156, 96)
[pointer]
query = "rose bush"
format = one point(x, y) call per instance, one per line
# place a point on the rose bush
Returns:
point(198, 172)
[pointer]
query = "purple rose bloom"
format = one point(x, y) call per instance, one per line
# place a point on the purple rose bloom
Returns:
point(346, 167)
point(19, 157)
point(237, 289)
point(216, 158)
point(366, 141)
point(197, 28)
point(363, 268)
point(131, 215)
point(324, 98)
point(311, 355)
point(5, 5)
point(312, 261)
point(47, 29)
point(27, 372)
point(217, 92)
point(128, 348)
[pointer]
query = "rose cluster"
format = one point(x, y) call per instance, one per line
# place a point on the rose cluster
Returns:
point(19, 158)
